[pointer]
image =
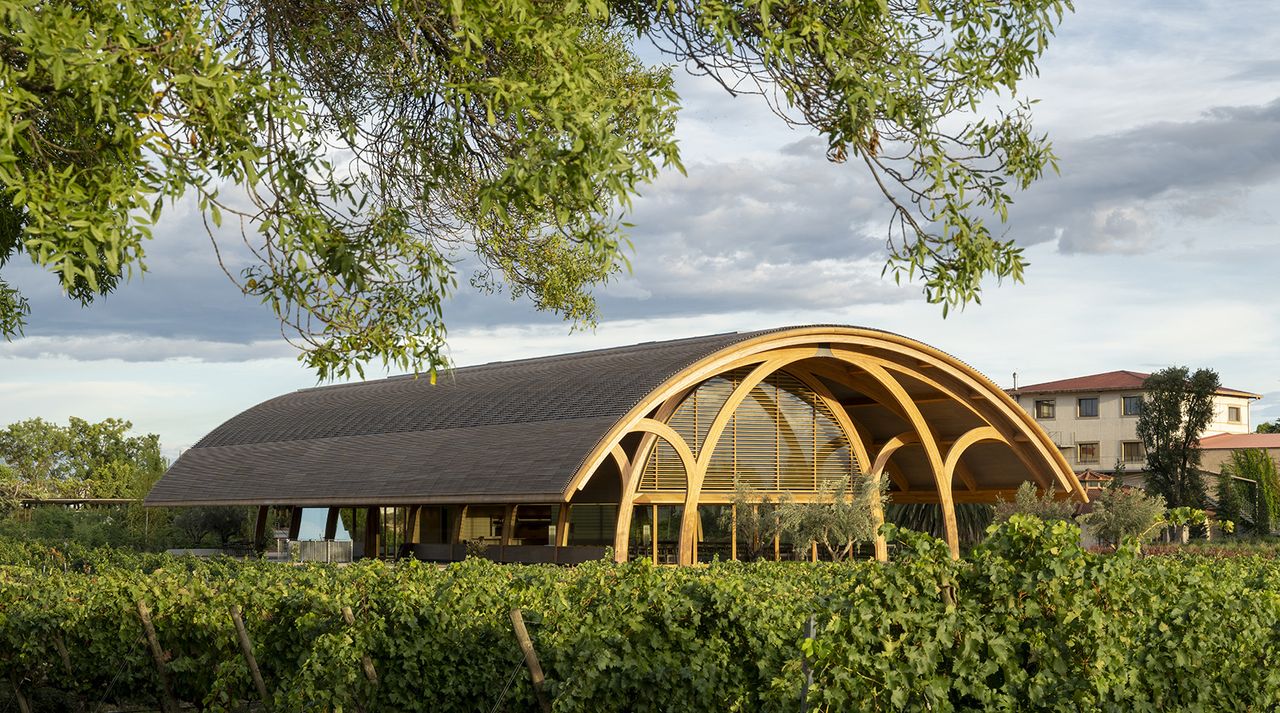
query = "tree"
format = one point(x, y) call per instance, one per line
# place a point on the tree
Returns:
point(222, 524)
point(1123, 512)
point(82, 459)
point(1263, 503)
point(755, 517)
point(1177, 407)
point(1117, 475)
point(837, 520)
point(514, 132)
point(1268, 427)
point(1029, 501)
point(1231, 496)
point(972, 519)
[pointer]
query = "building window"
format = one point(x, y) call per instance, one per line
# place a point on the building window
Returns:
point(1045, 409)
point(1131, 452)
point(1087, 408)
point(1133, 405)
point(1087, 452)
point(1233, 414)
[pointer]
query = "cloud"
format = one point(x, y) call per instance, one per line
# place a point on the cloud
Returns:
point(140, 348)
point(808, 147)
point(1121, 192)
point(783, 230)
point(183, 296)
point(180, 399)
point(1260, 70)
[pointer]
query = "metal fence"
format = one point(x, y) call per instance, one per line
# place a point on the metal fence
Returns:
point(320, 550)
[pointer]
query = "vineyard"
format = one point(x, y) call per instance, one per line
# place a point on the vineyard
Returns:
point(1028, 621)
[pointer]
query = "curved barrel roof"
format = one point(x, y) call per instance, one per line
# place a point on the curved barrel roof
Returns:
point(535, 430)
point(482, 432)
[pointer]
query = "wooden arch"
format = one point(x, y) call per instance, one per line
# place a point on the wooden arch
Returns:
point(881, 366)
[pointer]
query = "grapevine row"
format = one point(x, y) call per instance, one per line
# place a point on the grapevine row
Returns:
point(1028, 621)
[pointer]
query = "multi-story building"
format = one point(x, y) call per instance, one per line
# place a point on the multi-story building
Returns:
point(1094, 419)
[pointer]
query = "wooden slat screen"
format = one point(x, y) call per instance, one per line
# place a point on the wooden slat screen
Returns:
point(781, 438)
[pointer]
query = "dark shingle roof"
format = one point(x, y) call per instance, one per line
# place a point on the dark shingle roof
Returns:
point(518, 430)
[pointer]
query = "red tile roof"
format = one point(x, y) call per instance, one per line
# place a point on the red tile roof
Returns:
point(1109, 381)
point(1122, 380)
point(1232, 441)
point(1091, 478)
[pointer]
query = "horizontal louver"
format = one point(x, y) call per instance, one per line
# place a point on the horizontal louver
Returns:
point(781, 438)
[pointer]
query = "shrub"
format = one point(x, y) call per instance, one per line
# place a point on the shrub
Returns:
point(1123, 512)
point(1028, 501)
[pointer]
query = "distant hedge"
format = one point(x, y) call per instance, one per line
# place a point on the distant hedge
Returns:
point(1029, 621)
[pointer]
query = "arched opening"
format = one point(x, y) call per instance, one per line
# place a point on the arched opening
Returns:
point(793, 419)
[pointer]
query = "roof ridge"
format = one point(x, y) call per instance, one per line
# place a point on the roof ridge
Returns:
point(471, 368)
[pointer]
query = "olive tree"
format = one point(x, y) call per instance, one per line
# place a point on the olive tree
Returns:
point(841, 517)
point(753, 517)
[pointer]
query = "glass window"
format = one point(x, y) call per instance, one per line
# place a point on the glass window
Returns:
point(1131, 452)
point(1133, 405)
point(670, 518)
point(655, 533)
point(533, 525)
point(641, 543)
point(484, 524)
point(1087, 407)
point(1045, 408)
point(1087, 452)
point(715, 532)
point(594, 524)
point(1233, 414)
point(433, 525)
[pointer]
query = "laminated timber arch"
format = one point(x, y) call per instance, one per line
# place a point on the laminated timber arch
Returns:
point(937, 428)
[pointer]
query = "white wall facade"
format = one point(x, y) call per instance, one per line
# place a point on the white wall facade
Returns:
point(1098, 442)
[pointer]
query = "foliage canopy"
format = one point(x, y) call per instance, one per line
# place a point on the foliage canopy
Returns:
point(1119, 513)
point(360, 150)
point(1028, 621)
point(1029, 501)
point(82, 459)
point(1261, 500)
point(1177, 407)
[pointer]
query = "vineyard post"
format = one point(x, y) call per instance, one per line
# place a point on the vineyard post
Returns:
point(365, 661)
point(530, 659)
point(809, 633)
point(246, 648)
point(23, 705)
point(157, 654)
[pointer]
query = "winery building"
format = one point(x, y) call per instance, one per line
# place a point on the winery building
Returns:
point(638, 448)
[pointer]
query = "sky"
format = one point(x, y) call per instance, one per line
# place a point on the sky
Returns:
point(1154, 246)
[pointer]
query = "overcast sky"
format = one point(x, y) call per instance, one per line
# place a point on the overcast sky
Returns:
point(1155, 246)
